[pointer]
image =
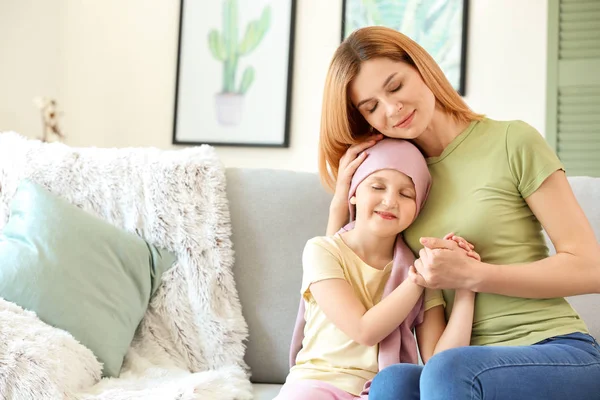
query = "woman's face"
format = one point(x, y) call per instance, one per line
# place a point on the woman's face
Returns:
point(393, 98)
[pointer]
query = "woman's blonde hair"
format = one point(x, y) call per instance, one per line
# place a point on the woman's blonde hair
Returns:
point(342, 125)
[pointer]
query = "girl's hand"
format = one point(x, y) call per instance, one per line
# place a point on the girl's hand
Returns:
point(351, 160)
point(463, 244)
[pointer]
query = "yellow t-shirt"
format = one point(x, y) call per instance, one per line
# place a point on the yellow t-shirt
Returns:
point(327, 353)
point(480, 183)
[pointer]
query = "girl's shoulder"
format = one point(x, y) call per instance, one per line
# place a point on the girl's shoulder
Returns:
point(331, 246)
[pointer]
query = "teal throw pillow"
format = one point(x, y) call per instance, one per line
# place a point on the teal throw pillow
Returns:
point(78, 272)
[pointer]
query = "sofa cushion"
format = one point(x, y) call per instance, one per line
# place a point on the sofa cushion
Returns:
point(587, 306)
point(78, 272)
point(273, 214)
point(265, 391)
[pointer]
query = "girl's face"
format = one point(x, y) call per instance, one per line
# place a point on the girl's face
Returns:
point(385, 202)
point(393, 98)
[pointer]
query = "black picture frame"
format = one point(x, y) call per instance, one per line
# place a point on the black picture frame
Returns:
point(459, 83)
point(187, 126)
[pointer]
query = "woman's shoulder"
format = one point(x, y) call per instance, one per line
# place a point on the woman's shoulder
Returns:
point(511, 133)
point(504, 126)
point(513, 125)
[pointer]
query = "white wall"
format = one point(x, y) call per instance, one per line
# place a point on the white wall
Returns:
point(112, 65)
point(120, 72)
point(506, 59)
point(31, 56)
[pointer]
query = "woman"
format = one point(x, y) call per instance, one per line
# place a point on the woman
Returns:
point(495, 183)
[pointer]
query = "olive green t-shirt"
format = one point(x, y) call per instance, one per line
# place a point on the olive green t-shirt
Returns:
point(480, 183)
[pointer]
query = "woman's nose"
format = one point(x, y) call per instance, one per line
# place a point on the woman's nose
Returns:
point(393, 108)
point(390, 109)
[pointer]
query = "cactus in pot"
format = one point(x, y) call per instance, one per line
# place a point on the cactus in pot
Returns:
point(226, 46)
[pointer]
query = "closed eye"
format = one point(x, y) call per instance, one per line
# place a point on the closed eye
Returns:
point(372, 109)
point(377, 188)
point(397, 88)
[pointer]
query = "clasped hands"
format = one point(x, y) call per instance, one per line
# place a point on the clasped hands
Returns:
point(445, 263)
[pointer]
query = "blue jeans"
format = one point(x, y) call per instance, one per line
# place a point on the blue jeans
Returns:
point(559, 368)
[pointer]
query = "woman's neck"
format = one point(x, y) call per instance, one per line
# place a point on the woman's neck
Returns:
point(442, 130)
point(374, 250)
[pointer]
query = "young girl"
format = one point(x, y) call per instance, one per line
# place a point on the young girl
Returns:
point(349, 309)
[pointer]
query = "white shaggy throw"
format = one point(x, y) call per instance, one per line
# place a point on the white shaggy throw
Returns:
point(39, 361)
point(190, 343)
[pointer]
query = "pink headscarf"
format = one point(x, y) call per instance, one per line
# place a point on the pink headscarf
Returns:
point(399, 155)
point(400, 345)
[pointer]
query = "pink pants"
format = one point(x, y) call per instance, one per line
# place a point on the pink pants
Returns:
point(314, 390)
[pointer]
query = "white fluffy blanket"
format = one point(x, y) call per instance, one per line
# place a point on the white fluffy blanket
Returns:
point(190, 342)
point(38, 361)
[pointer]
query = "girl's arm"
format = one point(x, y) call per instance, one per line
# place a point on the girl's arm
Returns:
point(573, 270)
point(367, 327)
point(430, 331)
point(434, 335)
point(458, 330)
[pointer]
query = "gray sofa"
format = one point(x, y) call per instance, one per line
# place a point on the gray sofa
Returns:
point(274, 213)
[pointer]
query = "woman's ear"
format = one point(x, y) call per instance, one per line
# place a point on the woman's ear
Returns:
point(353, 200)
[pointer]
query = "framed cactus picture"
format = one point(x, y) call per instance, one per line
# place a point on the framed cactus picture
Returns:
point(439, 26)
point(234, 73)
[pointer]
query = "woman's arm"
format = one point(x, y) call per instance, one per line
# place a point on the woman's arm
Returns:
point(338, 216)
point(434, 335)
point(574, 270)
point(338, 210)
point(368, 327)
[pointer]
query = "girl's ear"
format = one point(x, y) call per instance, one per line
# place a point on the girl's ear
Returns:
point(353, 200)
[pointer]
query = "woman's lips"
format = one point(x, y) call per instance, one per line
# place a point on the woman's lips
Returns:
point(406, 121)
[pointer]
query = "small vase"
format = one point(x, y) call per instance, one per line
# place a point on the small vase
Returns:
point(229, 108)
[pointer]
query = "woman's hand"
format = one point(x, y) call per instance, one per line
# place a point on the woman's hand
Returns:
point(464, 294)
point(445, 263)
point(351, 160)
point(354, 156)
